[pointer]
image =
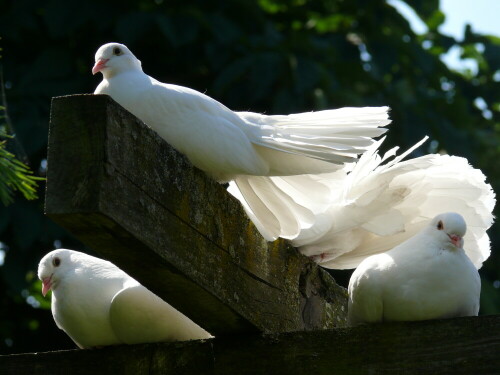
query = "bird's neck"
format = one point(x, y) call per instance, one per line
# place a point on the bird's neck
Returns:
point(123, 71)
point(123, 82)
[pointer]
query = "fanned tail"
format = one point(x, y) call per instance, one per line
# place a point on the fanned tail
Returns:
point(281, 206)
point(334, 136)
point(378, 206)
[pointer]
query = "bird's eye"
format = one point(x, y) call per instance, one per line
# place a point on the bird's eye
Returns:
point(117, 51)
point(440, 225)
point(56, 261)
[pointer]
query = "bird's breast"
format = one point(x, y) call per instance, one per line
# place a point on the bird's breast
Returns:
point(83, 313)
point(432, 288)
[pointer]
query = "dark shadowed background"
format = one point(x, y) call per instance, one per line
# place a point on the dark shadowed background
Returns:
point(269, 56)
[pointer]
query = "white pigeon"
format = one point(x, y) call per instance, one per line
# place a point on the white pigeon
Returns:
point(426, 277)
point(246, 147)
point(97, 304)
point(377, 206)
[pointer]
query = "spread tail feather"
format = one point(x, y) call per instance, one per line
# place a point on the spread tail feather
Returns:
point(336, 136)
point(281, 206)
point(380, 205)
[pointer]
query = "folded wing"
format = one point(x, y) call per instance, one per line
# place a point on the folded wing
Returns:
point(139, 316)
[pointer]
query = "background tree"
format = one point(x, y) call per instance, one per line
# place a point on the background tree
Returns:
point(265, 56)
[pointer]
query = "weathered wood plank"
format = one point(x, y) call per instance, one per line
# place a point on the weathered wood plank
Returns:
point(128, 195)
point(452, 346)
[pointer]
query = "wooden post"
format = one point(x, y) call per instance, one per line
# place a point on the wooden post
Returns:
point(123, 191)
point(452, 346)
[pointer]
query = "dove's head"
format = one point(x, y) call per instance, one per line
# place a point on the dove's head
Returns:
point(54, 267)
point(449, 228)
point(114, 58)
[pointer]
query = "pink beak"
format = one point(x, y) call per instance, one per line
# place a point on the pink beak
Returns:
point(456, 240)
point(46, 285)
point(99, 65)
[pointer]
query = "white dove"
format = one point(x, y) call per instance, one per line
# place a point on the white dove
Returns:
point(377, 206)
point(97, 304)
point(426, 277)
point(246, 147)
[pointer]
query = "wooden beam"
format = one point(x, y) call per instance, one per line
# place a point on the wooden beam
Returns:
point(452, 346)
point(128, 195)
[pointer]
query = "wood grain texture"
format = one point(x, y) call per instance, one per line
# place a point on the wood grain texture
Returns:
point(128, 195)
point(452, 346)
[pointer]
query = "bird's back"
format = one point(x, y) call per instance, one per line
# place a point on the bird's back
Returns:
point(213, 137)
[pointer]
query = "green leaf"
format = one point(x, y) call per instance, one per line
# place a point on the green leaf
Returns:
point(424, 8)
point(15, 176)
point(435, 20)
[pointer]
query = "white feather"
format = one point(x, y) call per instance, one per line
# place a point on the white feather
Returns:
point(281, 206)
point(377, 206)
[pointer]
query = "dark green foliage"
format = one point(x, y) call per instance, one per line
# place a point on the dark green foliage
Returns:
point(266, 56)
point(14, 176)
